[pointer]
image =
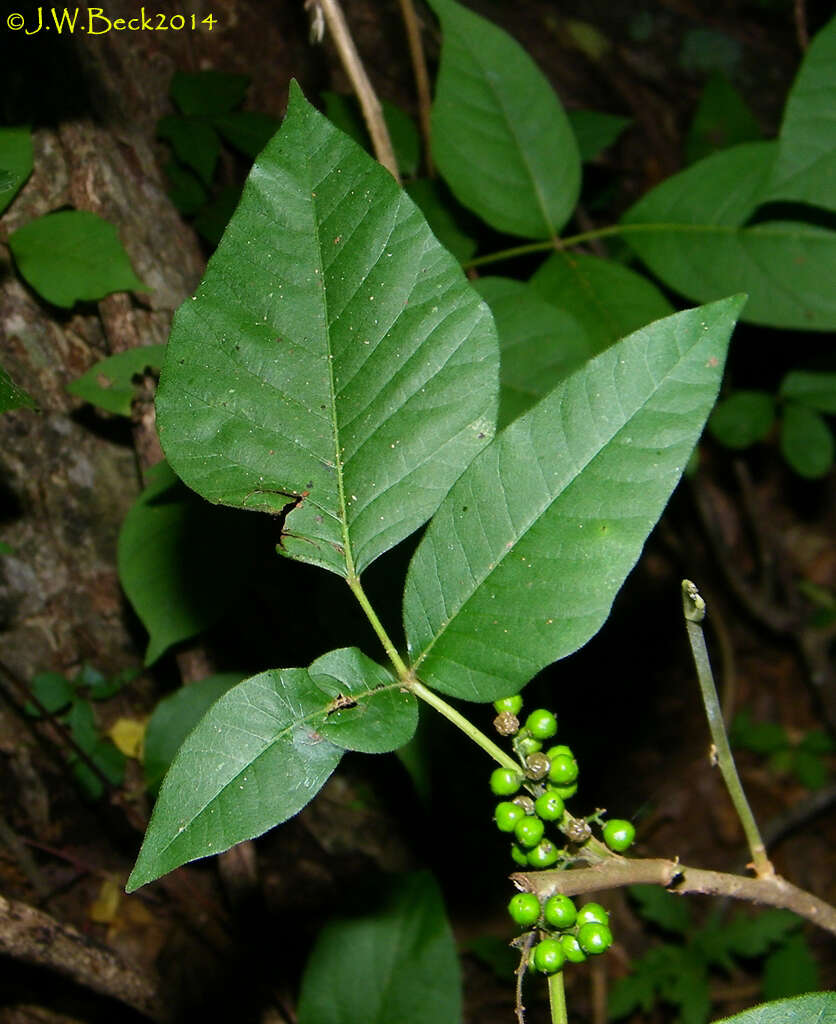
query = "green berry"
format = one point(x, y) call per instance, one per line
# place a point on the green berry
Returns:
point(592, 913)
point(561, 748)
point(564, 791)
point(548, 956)
point(544, 855)
point(559, 911)
point(541, 724)
point(594, 937)
point(512, 704)
point(563, 770)
point(524, 909)
point(519, 855)
point(549, 806)
point(529, 831)
point(528, 745)
point(507, 815)
point(572, 950)
point(504, 782)
point(619, 834)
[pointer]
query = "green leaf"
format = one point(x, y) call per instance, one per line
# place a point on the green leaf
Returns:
point(259, 754)
point(207, 92)
point(753, 936)
point(335, 364)
point(6, 549)
point(174, 718)
point(743, 418)
point(53, 690)
point(344, 112)
point(815, 1008)
point(806, 441)
point(211, 221)
point(185, 189)
point(109, 385)
point(813, 389)
point(194, 141)
point(595, 131)
point(805, 170)
point(608, 300)
point(108, 759)
point(817, 741)
point(395, 963)
point(247, 130)
point(500, 137)
point(722, 119)
point(16, 161)
point(759, 737)
point(691, 232)
point(539, 344)
point(102, 687)
point(73, 256)
point(496, 954)
point(384, 720)
point(810, 769)
point(662, 908)
point(13, 397)
point(181, 561)
point(791, 970)
point(520, 565)
point(430, 196)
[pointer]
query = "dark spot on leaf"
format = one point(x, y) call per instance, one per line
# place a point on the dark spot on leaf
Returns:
point(339, 703)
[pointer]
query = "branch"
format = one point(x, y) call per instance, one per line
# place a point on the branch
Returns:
point(34, 937)
point(422, 79)
point(369, 103)
point(772, 891)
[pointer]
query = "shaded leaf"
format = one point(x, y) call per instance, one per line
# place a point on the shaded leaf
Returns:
point(194, 141)
point(259, 754)
point(53, 690)
point(71, 256)
point(662, 908)
point(806, 441)
point(815, 1008)
point(13, 397)
point(539, 344)
point(608, 300)
point(790, 970)
point(174, 718)
point(185, 189)
point(500, 137)
point(759, 737)
point(181, 561)
point(722, 119)
point(520, 565)
point(109, 385)
point(212, 219)
point(15, 160)
point(691, 232)
point(207, 92)
point(430, 196)
point(743, 418)
point(805, 170)
point(247, 130)
point(753, 936)
point(814, 389)
point(595, 131)
point(335, 365)
point(344, 112)
point(396, 962)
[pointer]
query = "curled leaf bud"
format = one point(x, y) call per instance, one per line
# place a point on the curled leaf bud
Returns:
point(506, 723)
point(537, 766)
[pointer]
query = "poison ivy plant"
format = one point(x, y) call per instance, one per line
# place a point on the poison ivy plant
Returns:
point(815, 1008)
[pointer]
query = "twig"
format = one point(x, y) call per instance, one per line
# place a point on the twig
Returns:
point(800, 17)
point(422, 79)
point(34, 937)
point(369, 103)
point(771, 890)
point(694, 610)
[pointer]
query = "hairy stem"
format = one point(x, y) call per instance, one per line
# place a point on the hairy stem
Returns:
point(694, 610)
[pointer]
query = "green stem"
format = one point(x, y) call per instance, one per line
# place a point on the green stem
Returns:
point(466, 726)
point(377, 626)
point(693, 608)
point(557, 999)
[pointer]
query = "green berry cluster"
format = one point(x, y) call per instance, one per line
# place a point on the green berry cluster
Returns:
point(565, 933)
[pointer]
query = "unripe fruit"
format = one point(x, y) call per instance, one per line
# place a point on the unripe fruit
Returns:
point(619, 834)
point(529, 831)
point(513, 704)
point(561, 748)
point(548, 956)
point(526, 745)
point(524, 909)
point(563, 770)
point(543, 855)
point(592, 912)
point(549, 806)
point(594, 938)
point(519, 855)
point(506, 724)
point(559, 911)
point(572, 950)
point(564, 791)
point(504, 782)
point(541, 724)
point(507, 815)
